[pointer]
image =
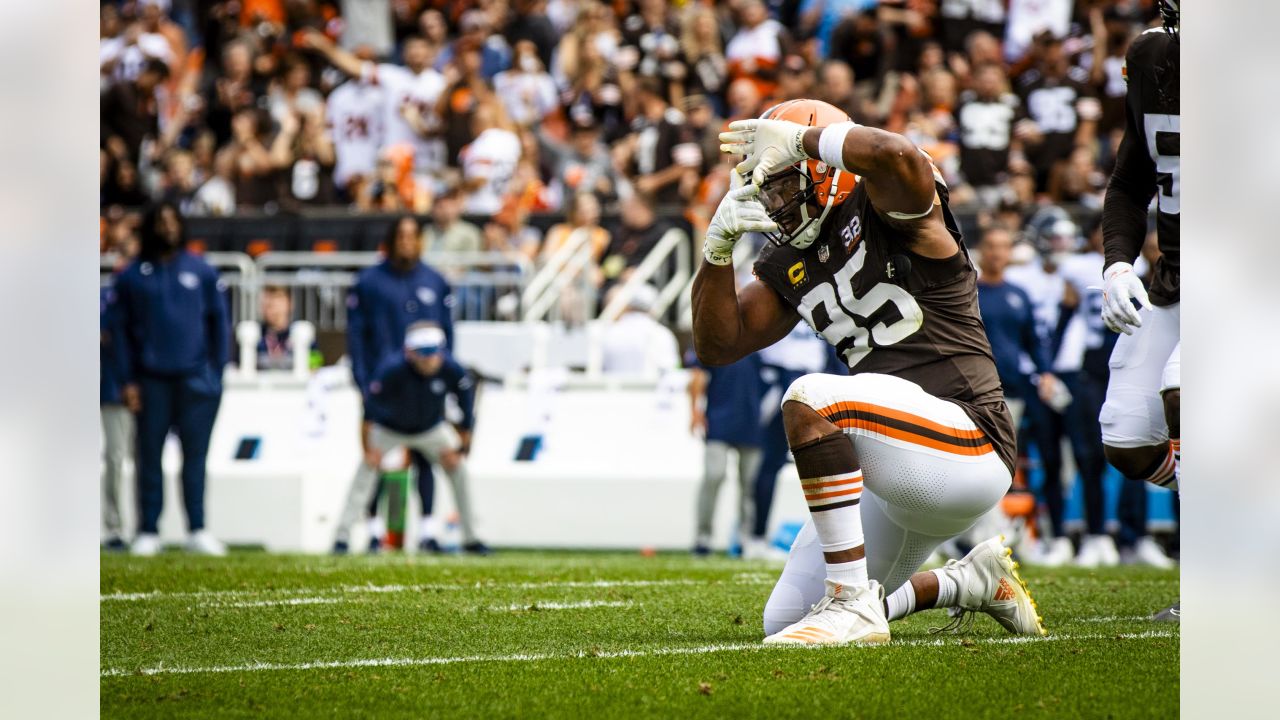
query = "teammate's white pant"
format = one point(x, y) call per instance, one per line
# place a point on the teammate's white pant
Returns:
point(1143, 366)
point(431, 444)
point(917, 494)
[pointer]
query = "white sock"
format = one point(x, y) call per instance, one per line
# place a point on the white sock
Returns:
point(948, 589)
point(377, 527)
point(832, 485)
point(852, 574)
point(902, 602)
point(833, 503)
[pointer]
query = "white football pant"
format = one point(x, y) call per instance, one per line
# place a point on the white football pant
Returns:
point(1143, 366)
point(917, 493)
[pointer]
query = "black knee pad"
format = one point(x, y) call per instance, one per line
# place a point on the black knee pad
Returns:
point(828, 455)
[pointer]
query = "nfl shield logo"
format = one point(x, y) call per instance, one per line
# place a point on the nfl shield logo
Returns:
point(823, 253)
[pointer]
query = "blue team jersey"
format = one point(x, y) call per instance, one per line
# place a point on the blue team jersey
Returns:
point(172, 319)
point(734, 396)
point(1010, 321)
point(405, 401)
point(383, 304)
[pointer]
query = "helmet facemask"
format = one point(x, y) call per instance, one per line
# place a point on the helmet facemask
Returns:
point(1170, 16)
point(791, 199)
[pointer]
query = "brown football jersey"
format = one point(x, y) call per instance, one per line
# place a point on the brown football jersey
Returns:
point(888, 310)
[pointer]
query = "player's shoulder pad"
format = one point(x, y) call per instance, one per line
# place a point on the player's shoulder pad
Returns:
point(771, 264)
point(1143, 49)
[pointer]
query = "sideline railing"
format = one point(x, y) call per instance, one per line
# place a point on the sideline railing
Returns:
point(568, 266)
point(673, 243)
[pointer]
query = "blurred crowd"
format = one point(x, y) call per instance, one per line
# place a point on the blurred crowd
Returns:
point(507, 108)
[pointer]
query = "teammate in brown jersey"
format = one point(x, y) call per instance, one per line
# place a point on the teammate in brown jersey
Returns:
point(866, 251)
point(1141, 428)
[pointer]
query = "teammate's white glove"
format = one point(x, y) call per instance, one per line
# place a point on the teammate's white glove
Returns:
point(1121, 288)
point(769, 145)
point(739, 212)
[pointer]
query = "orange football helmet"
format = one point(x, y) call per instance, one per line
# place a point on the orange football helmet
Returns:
point(799, 197)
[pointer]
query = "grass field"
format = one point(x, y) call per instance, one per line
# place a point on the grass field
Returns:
point(587, 635)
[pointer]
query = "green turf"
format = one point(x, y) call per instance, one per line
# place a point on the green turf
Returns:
point(624, 660)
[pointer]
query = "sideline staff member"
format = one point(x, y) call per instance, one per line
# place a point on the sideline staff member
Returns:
point(174, 336)
point(386, 299)
point(406, 408)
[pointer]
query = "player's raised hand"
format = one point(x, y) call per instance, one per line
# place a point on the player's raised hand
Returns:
point(769, 146)
point(739, 212)
point(1122, 287)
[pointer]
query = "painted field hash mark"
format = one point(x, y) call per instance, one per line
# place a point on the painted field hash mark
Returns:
point(581, 605)
point(274, 603)
point(607, 654)
point(417, 587)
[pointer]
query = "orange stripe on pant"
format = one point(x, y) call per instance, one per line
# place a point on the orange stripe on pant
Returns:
point(905, 436)
point(900, 415)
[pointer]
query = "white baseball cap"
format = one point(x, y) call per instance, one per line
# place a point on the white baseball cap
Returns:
point(424, 340)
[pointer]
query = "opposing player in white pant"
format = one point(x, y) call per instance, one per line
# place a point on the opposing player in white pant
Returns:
point(917, 443)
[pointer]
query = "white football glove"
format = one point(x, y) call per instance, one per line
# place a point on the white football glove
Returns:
point(739, 212)
point(769, 145)
point(1121, 288)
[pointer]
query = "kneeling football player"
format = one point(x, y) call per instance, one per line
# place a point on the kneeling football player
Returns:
point(916, 444)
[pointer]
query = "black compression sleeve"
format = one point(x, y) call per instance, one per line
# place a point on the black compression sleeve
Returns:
point(1133, 182)
point(1124, 214)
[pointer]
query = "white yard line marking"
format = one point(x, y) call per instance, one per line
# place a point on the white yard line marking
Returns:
point(606, 654)
point(1114, 618)
point(281, 602)
point(541, 605)
point(370, 588)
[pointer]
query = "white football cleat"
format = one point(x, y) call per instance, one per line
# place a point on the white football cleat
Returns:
point(145, 545)
point(989, 583)
point(846, 615)
point(202, 543)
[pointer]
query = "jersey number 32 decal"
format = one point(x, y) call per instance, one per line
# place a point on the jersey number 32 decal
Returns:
point(846, 321)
